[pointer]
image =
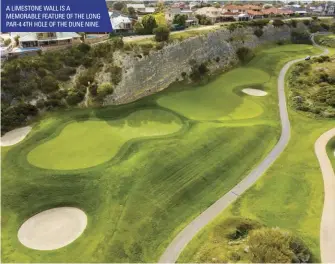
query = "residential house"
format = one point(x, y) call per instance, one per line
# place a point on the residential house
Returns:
point(298, 11)
point(276, 12)
point(212, 13)
point(120, 23)
point(137, 7)
point(329, 9)
point(172, 12)
point(44, 39)
point(141, 9)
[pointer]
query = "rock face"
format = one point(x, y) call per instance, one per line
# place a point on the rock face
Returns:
point(156, 71)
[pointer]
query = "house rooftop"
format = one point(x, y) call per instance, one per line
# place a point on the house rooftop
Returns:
point(117, 21)
point(136, 6)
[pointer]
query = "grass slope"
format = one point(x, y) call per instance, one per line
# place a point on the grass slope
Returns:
point(139, 200)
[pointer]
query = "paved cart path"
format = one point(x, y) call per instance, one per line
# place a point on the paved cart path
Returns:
point(327, 231)
point(173, 251)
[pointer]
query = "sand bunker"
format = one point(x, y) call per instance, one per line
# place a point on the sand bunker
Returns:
point(52, 229)
point(15, 136)
point(254, 92)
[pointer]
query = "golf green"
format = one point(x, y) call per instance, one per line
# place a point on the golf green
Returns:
point(147, 168)
point(84, 144)
point(217, 100)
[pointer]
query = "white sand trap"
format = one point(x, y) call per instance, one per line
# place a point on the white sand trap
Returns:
point(52, 229)
point(15, 136)
point(254, 92)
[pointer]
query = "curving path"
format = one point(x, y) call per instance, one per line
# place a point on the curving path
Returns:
point(173, 251)
point(327, 231)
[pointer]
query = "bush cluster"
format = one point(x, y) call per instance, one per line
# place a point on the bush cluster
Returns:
point(24, 77)
point(313, 88)
point(198, 71)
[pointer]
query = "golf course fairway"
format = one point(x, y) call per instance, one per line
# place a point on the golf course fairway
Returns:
point(142, 171)
point(289, 195)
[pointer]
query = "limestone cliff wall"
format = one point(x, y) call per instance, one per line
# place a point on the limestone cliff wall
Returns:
point(156, 71)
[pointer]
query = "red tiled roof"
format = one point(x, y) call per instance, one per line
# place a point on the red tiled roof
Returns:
point(242, 7)
point(233, 7)
point(254, 13)
point(230, 14)
point(276, 11)
point(252, 7)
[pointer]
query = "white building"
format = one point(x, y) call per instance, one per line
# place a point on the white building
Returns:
point(41, 39)
point(121, 23)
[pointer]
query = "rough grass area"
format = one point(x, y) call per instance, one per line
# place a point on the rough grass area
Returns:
point(326, 40)
point(312, 87)
point(289, 195)
point(148, 189)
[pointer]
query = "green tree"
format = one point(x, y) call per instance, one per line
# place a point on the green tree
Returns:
point(160, 7)
point(17, 40)
point(124, 10)
point(7, 42)
point(180, 19)
point(132, 12)
point(162, 33)
point(118, 6)
point(149, 23)
point(138, 27)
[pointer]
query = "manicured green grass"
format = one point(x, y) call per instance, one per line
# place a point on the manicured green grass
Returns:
point(289, 196)
point(149, 188)
point(222, 97)
point(68, 150)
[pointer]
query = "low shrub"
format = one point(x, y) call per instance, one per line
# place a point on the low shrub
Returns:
point(115, 73)
point(104, 90)
point(244, 54)
point(258, 32)
point(65, 73)
point(162, 33)
point(49, 84)
point(278, 23)
point(198, 71)
point(75, 96)
point(276, 245)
